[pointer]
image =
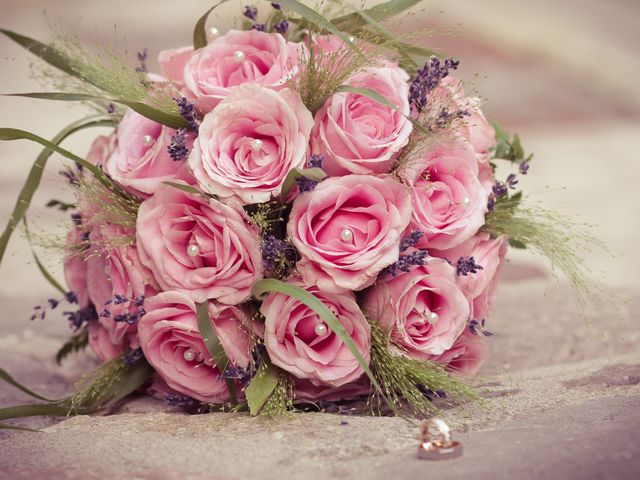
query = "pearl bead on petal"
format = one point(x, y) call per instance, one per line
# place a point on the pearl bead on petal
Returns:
point(189, 355)
point(346, 235)
point(239, 56)
point(432, 318)
point(321, 329)
point(466, 201)
point(352, 39)
point(256, 144)
point(212, 33)
point(147, 140)
point(193, 250)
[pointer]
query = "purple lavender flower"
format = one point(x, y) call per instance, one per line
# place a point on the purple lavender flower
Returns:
point(467, 265)
point(188, 112)
point(410, 240)
point(142, 61)
point(476, 327)
point(427, 79)
point(405, 262)
point(251, 12)
point(512, 181)
point(111, 108)
point(258, 26)
point(179, 400)
point(177, 148)
point(132, 356)
point(499, 189)
point(276, 251)
point(282, 26)
point(76, 218)
point(315, 161)
point(524, 167)
point(277, 6)
point(306, 184)
point(81, 316)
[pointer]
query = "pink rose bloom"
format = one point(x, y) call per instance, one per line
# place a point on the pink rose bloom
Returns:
point(449, 202)
point(348, 229)
point(250, 142)
point(300, 343)
point(355, 133)
point(307, 392)
point(101, 149)
point(116, 270)
point(141, 161)
point(100, 342)
point(199, 247)
point(480, 288)
point(75, 266)
point(466, 356)
point(172, 344)
point(424, 310)
point(236, 58)
point(172, 63)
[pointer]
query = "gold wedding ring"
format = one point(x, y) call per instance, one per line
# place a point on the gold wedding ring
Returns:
point(436, 441)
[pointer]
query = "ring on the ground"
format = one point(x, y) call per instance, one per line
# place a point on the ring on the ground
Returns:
point(437, 432)
point(436, 451)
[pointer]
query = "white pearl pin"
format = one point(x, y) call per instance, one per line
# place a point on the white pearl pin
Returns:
point(321, 329)
point(189, 355)
point(346, 235)
point(193, 250)
point(239, 56)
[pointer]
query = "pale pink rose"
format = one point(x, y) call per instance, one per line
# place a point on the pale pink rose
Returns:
point(101, 343)
point(250, 142)
point(198, 246)
point(172, 344)
point(172, 63)
point(348, 229)
point(325, 45)
point(480, 287)
point(213, 71)
point(75, 265)
point(449, 202)
point(101, 149)
point(304, 391)
point(116, 270)
point(357, 134)
point(141, 161)
point(466, 356)
point(295, 345)
point(424, 310)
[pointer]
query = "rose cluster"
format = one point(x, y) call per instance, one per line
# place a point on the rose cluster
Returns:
point(391, 236)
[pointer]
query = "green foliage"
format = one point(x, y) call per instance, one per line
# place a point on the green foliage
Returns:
point(315, 174)
point(45, 273)
point(262, 386)
point(77, 342)
point(60, 205)
point(280, 402)
point(509, 147)
point(199, 31)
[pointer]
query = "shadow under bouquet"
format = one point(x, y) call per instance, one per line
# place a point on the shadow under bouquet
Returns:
point(300, 211)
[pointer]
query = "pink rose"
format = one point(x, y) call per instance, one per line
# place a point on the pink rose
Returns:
point(466, 356)
point(198, 246)
point(114, 270)
point(236, 58)
point(101, 149)
point(75, 265)
point(250, 142)
point(424, 310)
point(300, 343)
point(305, 391)
point(355, 133)
point(172, 63)
point(141, 161)
point(449, 202)
point(172, 344)
point(100, 342)
point(480, 287)
point(348, 229)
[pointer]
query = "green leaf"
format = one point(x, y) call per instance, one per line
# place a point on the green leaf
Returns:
point(35, 410)
point(315, 174)
point(137, 376)
point(263, 287)
point(517, 244)
point(43, 270)
point(317, 19)
point(77, 342)
point(184, 188)
point(45, 52)
point(168, 119)
point(35, 175)
point(214, 347)
point(262, 386)
point(199, 31)
point(11, 381)
point(60, 205)
point(380, 12)
point(6, 426)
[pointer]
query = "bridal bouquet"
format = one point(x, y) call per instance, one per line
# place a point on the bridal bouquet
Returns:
point(303, 209)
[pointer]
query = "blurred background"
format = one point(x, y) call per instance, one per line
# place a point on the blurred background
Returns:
point(561, 74)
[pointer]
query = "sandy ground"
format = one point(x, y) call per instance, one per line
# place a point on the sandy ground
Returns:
point(563, 388)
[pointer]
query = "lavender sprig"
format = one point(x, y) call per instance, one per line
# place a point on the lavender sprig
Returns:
point(476, 327)
point(251, 12)
point(467, 265)
point(177, 148)
point(410, 240)
point(405, 262)
point(427, 79)
point(188, 112)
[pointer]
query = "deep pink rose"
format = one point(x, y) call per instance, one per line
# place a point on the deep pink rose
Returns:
point(172, 63)
point(75, 265)
point(197, 246)
point(116, 270)
point(348, 229)
point(466, 356)
point(239, 57)
point(357, 134)
point(449, 202)
point(480, 288)
point(250, 142)
point(300, 343)
point(102, 345)
point(172, 344)
point(304, 390)
point(141, 161)
point(424, 310)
